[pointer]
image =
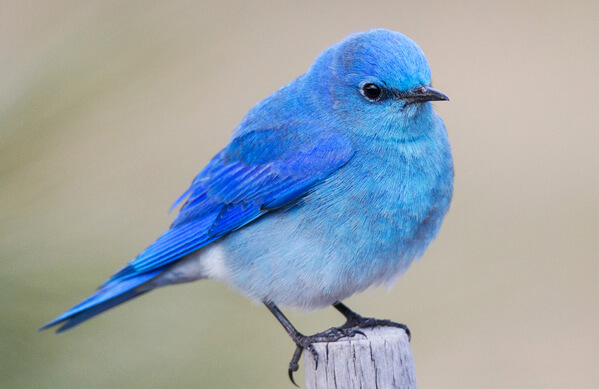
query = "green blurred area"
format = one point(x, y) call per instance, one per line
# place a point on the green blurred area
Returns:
point(109, 109)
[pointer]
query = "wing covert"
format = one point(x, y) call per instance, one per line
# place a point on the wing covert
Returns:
point(256, 173)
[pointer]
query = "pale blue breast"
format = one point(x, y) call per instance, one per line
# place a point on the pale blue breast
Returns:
point(364, 226)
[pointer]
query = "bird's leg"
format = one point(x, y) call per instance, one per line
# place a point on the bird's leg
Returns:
point(355, 320)
point(306, 342)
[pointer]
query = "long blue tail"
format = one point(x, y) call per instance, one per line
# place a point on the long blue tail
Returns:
point(108, 296)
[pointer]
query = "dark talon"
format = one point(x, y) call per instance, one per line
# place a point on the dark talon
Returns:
point(314, 355)
point(409, 333)
point(306, 342)
point(356, 320)
point(291, 378)
point(294, 363)
point(361, 333)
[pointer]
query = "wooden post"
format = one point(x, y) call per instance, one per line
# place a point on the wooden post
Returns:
point(382, 360)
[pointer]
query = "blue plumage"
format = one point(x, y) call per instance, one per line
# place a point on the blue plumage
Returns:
point(237, 187)
point(334, 183)
point(110, 295)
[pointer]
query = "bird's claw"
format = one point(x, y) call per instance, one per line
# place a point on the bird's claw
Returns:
point(389, 323)
point(294, 363)
point(306, 342)
point(358, 321)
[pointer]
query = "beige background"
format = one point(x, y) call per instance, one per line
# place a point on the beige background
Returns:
point(108, 110)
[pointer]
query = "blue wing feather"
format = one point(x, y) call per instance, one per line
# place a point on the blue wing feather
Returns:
point(108, 296)
point(259, 171)
point(241, 184)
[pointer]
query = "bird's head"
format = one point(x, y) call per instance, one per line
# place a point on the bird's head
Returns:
point(377, 80)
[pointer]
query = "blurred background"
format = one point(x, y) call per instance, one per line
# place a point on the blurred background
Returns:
point(108, 109)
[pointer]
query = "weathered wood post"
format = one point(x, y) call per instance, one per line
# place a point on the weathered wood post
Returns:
point(381, 360)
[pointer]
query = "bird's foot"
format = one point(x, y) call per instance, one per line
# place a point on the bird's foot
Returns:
point(304, 342)
point(357, 321)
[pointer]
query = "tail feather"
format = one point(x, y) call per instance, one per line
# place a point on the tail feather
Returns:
point(108, 296)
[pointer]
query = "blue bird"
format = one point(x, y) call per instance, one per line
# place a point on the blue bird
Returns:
point(334, 183)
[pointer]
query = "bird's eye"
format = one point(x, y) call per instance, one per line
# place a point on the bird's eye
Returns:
point(371, 91)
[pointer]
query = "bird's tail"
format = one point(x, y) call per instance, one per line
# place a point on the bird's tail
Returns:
point(108, 296)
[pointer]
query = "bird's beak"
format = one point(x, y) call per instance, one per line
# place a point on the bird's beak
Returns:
point(423, 94)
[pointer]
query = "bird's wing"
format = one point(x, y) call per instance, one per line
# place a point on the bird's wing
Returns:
point(256, 173)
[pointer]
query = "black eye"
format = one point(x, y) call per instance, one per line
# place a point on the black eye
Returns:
point(371, 91)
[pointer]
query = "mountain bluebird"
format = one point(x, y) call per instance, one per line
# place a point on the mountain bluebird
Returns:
point(332, 184)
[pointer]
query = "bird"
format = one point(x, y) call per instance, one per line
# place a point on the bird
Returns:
point(333, 184)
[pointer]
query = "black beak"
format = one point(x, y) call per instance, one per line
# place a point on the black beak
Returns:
point(423, 94)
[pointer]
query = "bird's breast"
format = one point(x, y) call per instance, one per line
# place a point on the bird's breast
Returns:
point(386, 194)
point(362, 226)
